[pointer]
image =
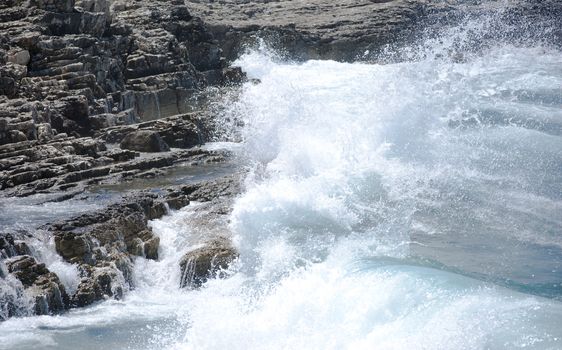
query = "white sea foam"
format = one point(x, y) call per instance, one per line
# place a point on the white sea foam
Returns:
point(376, 194)
point(349, 160)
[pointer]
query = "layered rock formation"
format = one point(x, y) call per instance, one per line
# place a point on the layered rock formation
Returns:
point(70, 163)
point(87, 87)
point(79, 67)
point(349, 30)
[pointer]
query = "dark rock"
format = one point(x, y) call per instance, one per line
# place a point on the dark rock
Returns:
point(225, 187)
point(56, 6)
point(180, 13)
point(151, 248)
point(144, 141)
point(26, 269)
point(207, 262)
point(74, 247)
point(43, 286)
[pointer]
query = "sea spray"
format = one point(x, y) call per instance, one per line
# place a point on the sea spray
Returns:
point(370, 182)
point(388, 206)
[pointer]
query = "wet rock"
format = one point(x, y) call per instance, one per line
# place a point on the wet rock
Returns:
point(144, 141)
point(101, 283)
point(201, 264)
point(150, 248)
point(7, 248)
point(225, 187)
point(74, 247)
point(12, 245)
point(49, 294)
point(41, 285)
point(26, 269)
point(104, 243)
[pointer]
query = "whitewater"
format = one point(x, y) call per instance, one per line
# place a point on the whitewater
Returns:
point(410, 205)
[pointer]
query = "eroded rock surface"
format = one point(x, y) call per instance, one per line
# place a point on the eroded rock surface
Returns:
point(347, 29)
point(41, 285)
point(70, 163)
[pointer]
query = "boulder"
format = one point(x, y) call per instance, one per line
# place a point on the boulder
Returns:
point(49, 295)
point(199, 265)
point(20, 57)
point(16, 136)
point(144, 141)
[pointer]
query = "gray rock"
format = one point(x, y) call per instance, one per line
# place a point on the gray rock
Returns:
point(12, 245)
point(56, 5)
point(16, 136)
point(44, 132)
point(144, 141)
point(20, 57)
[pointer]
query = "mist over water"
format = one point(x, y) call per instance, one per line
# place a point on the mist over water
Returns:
point(411, 205)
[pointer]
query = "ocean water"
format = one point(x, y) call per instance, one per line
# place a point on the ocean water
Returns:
point(412, 205)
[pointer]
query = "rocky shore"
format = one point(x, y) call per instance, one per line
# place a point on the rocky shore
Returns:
point(101, 92)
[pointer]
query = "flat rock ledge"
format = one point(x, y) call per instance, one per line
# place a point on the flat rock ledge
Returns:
point(71, 164)
point(350, 30)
